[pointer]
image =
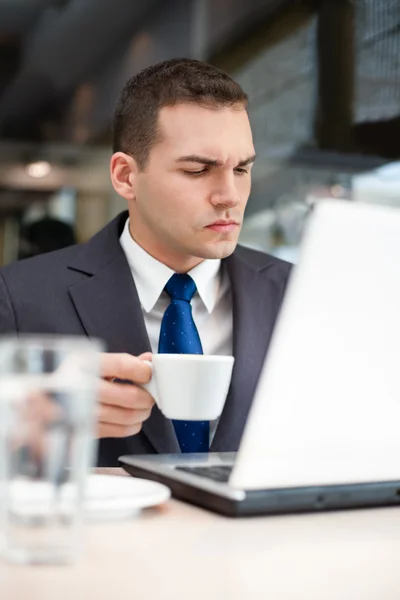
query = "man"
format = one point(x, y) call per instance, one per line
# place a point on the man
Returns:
point(183, 154)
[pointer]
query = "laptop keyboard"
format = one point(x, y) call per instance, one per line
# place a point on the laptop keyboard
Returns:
point(217, 472)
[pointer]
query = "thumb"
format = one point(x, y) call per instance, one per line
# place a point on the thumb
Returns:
point(146, 356)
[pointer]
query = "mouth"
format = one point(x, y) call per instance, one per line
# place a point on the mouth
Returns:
point(223, 226)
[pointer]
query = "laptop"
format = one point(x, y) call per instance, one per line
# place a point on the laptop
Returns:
point(323, 431)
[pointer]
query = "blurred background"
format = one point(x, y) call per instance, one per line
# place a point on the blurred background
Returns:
point(323, 78)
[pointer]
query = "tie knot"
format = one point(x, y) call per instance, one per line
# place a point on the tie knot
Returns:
point(181, 287)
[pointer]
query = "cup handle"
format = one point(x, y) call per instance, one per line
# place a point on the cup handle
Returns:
point(151, 385)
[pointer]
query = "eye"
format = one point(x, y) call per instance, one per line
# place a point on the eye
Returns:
point(241, 171)
point(196, 173)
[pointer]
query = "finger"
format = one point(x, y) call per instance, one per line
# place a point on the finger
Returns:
point(146, 356)
point(125, 396)
point(41, 408)
point(104, 430)
point(121, 416)
point(124, 366)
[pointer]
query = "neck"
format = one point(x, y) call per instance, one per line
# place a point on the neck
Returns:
point(176, 262)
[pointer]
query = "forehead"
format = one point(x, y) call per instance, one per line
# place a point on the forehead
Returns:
point(221, 134)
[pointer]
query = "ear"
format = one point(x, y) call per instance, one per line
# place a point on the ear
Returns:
point(123, 172)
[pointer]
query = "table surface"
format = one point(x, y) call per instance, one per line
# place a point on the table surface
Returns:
point(178, 551)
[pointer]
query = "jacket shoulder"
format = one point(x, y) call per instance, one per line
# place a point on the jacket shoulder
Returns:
point(49, 263)
point(89, 256)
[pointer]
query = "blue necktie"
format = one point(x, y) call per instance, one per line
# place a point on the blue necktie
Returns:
point(179, 335)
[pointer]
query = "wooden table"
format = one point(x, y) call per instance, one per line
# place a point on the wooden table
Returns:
point(184, 553)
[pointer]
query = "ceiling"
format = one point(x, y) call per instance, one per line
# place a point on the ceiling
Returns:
point(55, 55)
point(49, 48)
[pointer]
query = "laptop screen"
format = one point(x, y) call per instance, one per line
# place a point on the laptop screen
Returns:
point(327, 406)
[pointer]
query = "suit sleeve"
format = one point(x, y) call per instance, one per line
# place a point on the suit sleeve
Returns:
point(8, 322)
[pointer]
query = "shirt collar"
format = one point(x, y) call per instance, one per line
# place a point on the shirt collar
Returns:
point(151, 275)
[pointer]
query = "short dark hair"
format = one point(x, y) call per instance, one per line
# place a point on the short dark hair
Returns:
point(166, 84)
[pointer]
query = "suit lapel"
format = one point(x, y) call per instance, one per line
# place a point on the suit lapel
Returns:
point(108, 306)
point(254, 305)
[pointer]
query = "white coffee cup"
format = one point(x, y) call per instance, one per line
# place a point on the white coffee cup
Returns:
point(190, 387)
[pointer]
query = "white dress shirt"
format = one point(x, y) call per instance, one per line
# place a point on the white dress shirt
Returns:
point(211, 303)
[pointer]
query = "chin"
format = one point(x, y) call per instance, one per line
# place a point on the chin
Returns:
point(218, 251)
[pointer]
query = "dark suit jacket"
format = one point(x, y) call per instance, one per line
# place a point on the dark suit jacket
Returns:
point(88, 289)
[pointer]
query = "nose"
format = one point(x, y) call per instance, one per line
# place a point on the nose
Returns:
point(225, 192)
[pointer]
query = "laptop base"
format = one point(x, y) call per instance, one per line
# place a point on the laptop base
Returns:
point(219, 498)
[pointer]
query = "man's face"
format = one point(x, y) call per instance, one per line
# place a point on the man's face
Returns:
point(190, 199)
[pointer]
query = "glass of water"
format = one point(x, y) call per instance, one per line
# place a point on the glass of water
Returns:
point(48, 394)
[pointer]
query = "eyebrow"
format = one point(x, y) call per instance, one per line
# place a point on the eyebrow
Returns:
point(203, 160)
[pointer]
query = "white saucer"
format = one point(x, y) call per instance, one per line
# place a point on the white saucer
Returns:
point(107, 497)
point(113, 496)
